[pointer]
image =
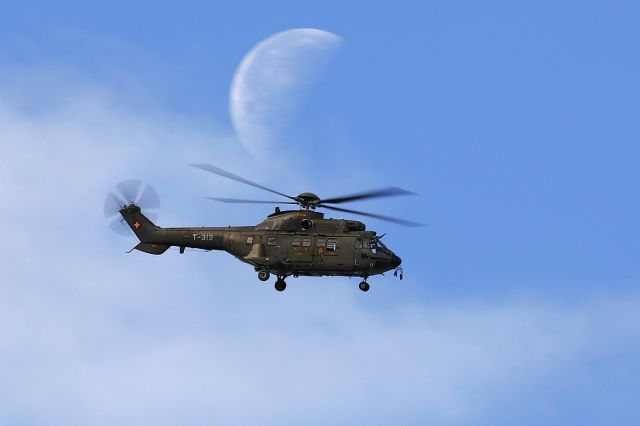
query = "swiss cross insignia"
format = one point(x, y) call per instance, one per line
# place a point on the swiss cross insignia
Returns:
point(136, 224)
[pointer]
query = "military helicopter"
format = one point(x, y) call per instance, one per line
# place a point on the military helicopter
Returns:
point(287, 243)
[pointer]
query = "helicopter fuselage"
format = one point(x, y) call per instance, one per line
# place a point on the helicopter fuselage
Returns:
point(287, 243)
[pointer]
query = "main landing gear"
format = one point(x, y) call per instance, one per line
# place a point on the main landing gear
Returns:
point(364, 285)
point(264, 275)
point(280, 284)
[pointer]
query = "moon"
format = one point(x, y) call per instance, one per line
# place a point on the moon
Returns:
point(272, 79)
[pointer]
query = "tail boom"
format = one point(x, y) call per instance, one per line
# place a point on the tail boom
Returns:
point(156, 240)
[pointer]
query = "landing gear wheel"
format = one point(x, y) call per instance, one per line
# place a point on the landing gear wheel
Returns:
point(263, 275)
point(364, 286)
point(280, 285)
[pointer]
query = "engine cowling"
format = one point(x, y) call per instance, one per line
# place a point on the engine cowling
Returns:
point(354, 225)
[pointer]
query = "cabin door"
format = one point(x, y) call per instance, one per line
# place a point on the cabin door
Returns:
point(301, 252)
point(362, 254)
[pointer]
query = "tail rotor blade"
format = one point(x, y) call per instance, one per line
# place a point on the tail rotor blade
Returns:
point(130, 190)
point(148, 198)
point(119, 227)
point(152, 215)
point(112, 205)
point(127, 192)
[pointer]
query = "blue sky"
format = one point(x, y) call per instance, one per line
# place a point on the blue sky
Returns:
point(515, 122)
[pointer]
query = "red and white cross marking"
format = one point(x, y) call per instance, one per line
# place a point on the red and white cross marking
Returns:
point(136, 224)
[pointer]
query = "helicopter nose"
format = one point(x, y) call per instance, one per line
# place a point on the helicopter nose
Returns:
point(395, 261)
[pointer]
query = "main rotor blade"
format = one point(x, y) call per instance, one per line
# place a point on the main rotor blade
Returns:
point(218, 171)
point(375, 193)
point(239, 201)
point(377, 216)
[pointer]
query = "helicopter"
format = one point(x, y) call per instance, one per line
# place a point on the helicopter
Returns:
point(300, 242)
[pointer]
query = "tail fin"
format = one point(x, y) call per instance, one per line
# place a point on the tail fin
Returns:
point(139, 223)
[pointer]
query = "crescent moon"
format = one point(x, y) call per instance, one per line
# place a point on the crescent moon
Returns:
point(271, 80)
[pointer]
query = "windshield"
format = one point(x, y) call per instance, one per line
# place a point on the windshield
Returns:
point(378, 244)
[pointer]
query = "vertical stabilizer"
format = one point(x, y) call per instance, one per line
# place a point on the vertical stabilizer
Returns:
point(139, 223)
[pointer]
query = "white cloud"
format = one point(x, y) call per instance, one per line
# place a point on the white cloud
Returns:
point(89, 335)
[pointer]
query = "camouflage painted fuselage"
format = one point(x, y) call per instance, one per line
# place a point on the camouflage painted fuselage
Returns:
point(300, 242)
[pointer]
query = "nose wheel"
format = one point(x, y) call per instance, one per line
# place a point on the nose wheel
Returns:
point(263, 275)
point(364, 286)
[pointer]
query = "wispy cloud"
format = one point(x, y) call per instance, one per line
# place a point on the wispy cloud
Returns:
point(89, 335)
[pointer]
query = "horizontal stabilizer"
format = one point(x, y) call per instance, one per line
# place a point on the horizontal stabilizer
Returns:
point(152, 248)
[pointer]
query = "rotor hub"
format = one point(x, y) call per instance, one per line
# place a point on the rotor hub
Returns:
point(308, 199)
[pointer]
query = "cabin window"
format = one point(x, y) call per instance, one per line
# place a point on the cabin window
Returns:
point(321, 242)
point(306, 242)
point(358, 243)
point(295, 241)
point(331, 244)
point(271, 241)
point(249, 241)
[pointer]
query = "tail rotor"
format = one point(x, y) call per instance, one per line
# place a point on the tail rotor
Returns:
point(130, 192)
